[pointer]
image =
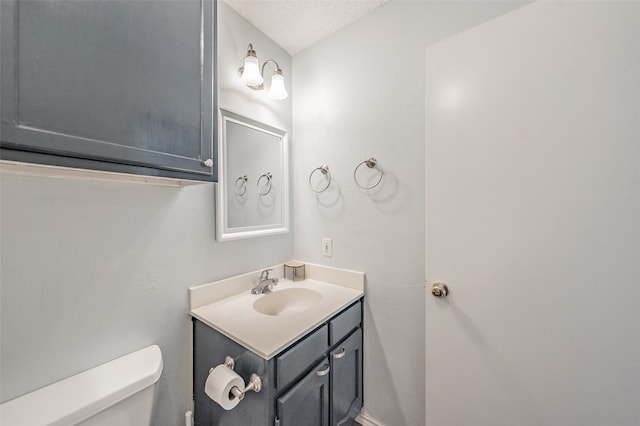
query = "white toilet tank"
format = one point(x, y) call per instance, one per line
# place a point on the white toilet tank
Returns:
point(118, 393)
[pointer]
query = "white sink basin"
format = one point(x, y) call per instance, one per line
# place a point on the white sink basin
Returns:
point(268, 323)
point(287, 301)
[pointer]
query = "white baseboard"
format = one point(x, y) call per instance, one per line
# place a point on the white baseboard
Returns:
point(366, 420)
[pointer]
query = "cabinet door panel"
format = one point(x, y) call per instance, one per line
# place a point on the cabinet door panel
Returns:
point(346, 380)
point(307, 403)
point(128, 82)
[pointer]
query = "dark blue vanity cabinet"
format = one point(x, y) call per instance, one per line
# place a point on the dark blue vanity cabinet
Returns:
point(317, 381)
point(124, 86)
point(346, 379)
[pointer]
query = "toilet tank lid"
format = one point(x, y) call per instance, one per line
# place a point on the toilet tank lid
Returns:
point(76, 398)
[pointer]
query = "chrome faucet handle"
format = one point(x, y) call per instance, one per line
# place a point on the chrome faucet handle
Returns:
point(274, 282)
point(264, 275)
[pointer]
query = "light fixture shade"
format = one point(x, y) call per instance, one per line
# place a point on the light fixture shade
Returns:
point(277, 90)
point(251, 73)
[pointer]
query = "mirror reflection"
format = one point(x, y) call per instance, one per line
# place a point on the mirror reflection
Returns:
point(253, 178)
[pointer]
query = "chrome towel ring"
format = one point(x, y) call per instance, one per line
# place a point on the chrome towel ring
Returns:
point(370, 163)
point(240, 187)
point(324, 169)
point(267, 184)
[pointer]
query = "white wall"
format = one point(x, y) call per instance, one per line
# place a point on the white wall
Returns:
point(234, 35)
point(360, 93)
point(93, 270)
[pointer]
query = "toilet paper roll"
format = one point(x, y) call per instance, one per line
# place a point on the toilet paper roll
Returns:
point(219, 383)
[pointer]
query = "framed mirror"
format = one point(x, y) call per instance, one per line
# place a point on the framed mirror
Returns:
point(253, 178)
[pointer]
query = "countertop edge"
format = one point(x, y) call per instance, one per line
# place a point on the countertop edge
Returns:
point(299, 334)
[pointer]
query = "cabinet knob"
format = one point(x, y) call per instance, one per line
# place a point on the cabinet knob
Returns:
point(324, 372)
point(208, 163)
point(340, 354)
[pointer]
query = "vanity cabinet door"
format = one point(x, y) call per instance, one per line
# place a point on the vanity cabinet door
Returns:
point(109, 85)
point(346, 380)
point(307, 403)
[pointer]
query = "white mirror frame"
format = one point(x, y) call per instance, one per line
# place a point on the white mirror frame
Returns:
point(223, 231)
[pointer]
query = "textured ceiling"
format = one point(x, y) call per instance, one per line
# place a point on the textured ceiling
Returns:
point(297, 24)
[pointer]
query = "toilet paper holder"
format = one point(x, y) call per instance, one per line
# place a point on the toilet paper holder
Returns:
point(255, 384)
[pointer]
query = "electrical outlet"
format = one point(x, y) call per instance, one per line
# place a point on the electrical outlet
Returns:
point(326, 247)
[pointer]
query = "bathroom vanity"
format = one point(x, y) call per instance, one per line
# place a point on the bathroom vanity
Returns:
point(306, 351)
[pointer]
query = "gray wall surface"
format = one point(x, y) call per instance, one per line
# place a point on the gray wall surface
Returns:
point(361, 93)
point(93, 270)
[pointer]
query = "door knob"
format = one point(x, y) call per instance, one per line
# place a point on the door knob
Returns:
point(440, 290)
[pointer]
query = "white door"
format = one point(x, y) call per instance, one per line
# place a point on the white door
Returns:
point(533, 219)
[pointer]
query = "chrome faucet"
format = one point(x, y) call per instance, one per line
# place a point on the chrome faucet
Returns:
point(265, 284)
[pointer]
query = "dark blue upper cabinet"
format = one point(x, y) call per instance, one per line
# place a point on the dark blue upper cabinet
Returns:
point(110, 84)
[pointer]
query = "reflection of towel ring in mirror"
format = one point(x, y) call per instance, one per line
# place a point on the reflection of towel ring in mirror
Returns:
point(267, 185)
point(371, 163)
point(325, 171)
point(241, 188)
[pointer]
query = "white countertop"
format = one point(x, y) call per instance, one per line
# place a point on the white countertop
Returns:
point(232, 313)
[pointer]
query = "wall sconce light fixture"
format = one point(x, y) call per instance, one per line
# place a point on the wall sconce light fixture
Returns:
point(251, 75)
